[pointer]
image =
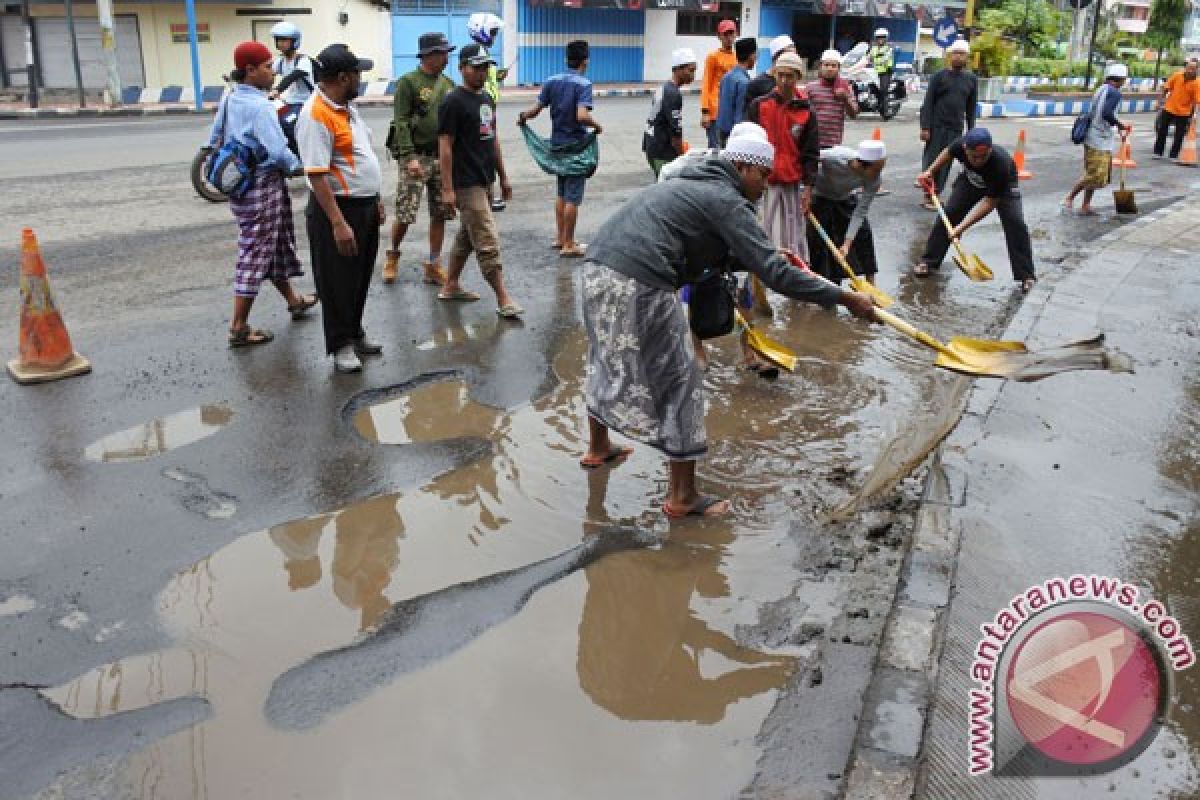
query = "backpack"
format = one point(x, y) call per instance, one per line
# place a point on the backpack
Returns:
point(231, 168)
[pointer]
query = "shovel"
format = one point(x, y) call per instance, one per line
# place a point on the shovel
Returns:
point(860, 284)
point(772, 351)
point(1123, 198)
point(971, 264)
point(985, 357)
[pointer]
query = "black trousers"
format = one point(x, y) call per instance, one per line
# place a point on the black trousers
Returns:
point(1163, 124)
point(343, 281)
point(964, 197)
point(939, 140)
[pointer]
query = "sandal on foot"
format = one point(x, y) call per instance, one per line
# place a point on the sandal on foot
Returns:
point(248, 337)
point(577, 250)
point(700, 509)
point(300, 310)
point(1027, 285)
point(921, 269)
point(458, 294)
point(510, 311)
point(617, 454)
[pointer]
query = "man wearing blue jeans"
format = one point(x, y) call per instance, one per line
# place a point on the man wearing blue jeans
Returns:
point(568, 95)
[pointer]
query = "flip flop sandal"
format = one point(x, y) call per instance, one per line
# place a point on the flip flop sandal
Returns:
point(701, 508)
point(615, 455)
point(300, 310)
point(921, 270)
point(510, 311)
point(578, 251)
point(1027, 285)
point(461, 295)
point(556, 246)
point(248, 337)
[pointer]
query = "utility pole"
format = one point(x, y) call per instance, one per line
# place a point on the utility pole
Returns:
point(197, 89)
point(1087, 76)
point(31, 69)
point(108, 50)
point(75, 55)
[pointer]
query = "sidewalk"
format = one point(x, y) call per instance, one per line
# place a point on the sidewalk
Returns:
point(1083, 473)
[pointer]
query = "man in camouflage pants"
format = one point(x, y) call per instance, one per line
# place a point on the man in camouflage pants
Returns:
point(414, 144)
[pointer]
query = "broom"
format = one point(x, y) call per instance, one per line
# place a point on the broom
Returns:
point(1123, 198)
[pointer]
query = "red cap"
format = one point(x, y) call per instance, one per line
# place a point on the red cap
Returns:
point(726, 25)
point(250, 54)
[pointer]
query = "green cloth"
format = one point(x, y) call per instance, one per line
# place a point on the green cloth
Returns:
point(415, 113)
point(492, 84)
point(574, 160)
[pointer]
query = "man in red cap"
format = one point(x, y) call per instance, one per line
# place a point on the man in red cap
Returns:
point(717, 63)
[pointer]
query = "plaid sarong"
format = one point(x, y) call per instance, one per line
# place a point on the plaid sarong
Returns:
point(266, 234)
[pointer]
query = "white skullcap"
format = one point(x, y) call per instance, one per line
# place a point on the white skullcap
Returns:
point(682, 56)
point(1116, 71)
point(959, 46)
point(748, 144)
point(831, 55)
point(871, 150)
point(779, 44)
point(790, 61)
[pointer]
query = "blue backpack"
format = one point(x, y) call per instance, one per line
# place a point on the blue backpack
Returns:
point(231, 167)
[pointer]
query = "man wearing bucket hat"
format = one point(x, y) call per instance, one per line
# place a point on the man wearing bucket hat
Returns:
point(718, 62)
point(642, 376)
point(663, 139)
point(832, 99)
point(949, 105)
point(413, 143)
point(987, 182)
point(847, 183)
point(1101, 141)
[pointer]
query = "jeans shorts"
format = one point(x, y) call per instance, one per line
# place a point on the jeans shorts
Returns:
point(571, 190)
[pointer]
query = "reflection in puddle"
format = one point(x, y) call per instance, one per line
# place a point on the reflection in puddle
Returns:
point(17, 604)
point(433, 412)
point(160, 435)
point(458, 334)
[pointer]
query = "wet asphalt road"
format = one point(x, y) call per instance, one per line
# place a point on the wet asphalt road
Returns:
point(257, 565)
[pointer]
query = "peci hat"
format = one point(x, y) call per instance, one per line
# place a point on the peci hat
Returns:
point(743, 48)
point(682, 57)
point(476, 55)
point(748, 144)
point(577, 50)
point(831, 55)
point(433, 43)
point(977, 137)
point(790, 61)
point(779, 44)
point(338, 58)
point(871, 150)
point(250, 54)
point(726, 26)
point(959, 46)
point(1116, 71)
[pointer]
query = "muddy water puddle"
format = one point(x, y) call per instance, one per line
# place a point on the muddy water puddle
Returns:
point(160, 435)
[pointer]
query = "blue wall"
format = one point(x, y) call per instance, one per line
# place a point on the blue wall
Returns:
point(407, 26)
point(616, 38)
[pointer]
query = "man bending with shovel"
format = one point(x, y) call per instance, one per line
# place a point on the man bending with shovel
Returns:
point(988, 182)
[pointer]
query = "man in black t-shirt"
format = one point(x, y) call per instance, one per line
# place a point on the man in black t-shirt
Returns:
point(663, 140)
point(988, 182)
point(470, 158)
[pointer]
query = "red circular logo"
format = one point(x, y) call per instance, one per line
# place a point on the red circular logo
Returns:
point(1084, 688)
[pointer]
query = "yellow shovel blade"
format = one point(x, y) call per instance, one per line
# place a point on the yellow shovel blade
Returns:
point(973, 267)
point(881, 298)
point(772, 351)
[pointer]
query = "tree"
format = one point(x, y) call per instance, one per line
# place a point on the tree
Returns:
point(1030, 22)
point(1167, 18)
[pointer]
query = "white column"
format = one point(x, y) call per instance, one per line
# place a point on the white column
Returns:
point(108, 45)
point(508, 13)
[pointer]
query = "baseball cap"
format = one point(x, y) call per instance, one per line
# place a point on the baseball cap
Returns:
point(977, 137)
point(339, 58)
point(250, 54)
point(476, 55)
point(433, 43)
point(726, 26)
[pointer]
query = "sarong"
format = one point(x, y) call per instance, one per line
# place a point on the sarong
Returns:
point(834, 216)
point(1097, 167)
point(573, 160)
point(783, 219)
point(641, 378)
point(266, 234)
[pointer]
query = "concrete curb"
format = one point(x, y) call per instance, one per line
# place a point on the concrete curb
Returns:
point(885, 763)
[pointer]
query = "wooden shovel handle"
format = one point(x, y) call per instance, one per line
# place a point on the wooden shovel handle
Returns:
point(912, 332)
point(833, 248)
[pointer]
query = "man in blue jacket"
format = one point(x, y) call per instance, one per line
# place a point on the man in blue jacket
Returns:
point(731, 94)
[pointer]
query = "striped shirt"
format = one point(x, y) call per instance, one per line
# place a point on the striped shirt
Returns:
point(335, 144)
point(831, 113)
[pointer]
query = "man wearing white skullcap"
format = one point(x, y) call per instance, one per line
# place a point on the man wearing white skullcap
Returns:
point(1100, 141)
point(662, 141)
point(950, 102)
point(642, 376)
point(764, 82)
point(832, 99)
point(847, 183)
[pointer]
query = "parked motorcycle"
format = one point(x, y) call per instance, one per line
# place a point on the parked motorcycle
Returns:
point(861, 75)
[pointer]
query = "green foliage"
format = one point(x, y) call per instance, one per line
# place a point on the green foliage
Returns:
point(1034, 24)
point(994, 53)
point(1056, 69)
point(1167, 18)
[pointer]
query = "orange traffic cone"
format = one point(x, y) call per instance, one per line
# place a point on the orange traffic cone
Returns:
point(45, 347)
point(1124, 156)
point(1187, 156)
point(1019, 158)
point(878, 134)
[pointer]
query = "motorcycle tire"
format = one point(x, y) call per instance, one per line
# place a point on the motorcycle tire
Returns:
point(200, 184)
point(889, 110)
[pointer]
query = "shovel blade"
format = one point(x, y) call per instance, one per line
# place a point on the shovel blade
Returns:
point(973, 267)
point(774, 352)
point(881, 298)
point(1124, 202)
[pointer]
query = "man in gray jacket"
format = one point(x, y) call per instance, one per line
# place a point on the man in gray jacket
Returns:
point(642, 378)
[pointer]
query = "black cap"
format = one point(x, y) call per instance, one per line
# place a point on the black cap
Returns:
point(338, 58)
point(433, 43)
point(577, 50)
point(476, 55)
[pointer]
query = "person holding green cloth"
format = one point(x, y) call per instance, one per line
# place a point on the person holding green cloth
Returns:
point(484, 29)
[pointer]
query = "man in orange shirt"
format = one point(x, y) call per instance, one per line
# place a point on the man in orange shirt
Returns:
point(1178, 100)
point(719, 62)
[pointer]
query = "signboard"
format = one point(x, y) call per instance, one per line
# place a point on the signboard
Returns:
point(179, 32)
point(945, 32)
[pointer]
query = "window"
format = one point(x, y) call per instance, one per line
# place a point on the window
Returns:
point(704, 23)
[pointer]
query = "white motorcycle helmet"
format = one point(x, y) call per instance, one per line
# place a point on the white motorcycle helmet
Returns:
point(483, 28)
point(287, 30)
point(881, 32)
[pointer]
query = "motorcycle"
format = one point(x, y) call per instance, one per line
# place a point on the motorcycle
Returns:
point(863, 78)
